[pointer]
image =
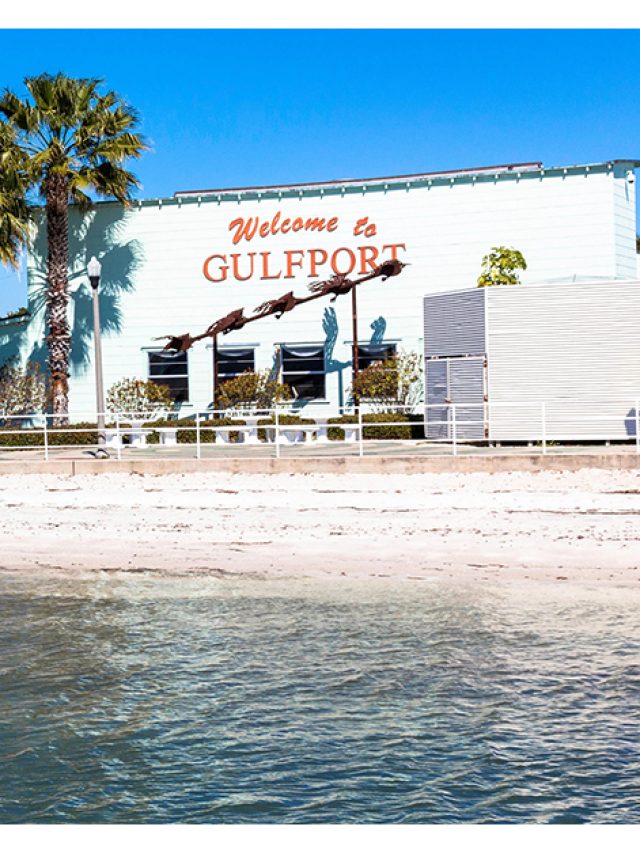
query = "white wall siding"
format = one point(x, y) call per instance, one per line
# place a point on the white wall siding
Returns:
point(624, 224)
point(575, 347)
point(153, 254)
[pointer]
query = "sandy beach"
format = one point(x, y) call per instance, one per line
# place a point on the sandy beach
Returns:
point(574, 527)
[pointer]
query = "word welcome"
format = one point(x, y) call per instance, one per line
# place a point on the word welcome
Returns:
point(248, 228)
point(313, 262)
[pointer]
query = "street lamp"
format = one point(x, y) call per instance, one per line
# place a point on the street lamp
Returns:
point(94, 268)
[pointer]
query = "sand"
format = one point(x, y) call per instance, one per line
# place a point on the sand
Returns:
point(574, 527)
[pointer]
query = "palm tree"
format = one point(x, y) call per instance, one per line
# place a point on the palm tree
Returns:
point(68, 140)
point(14, 213)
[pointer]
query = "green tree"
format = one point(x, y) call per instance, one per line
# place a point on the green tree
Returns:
point(65, 141)
point(500, 267)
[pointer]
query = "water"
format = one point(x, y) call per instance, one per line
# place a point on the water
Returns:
point(173, 700)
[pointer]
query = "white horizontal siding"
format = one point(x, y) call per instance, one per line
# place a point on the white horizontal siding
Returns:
point(153, 281)
point(575, 347)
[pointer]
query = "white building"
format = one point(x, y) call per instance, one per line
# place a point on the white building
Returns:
point(554, 361)
point(175, 265)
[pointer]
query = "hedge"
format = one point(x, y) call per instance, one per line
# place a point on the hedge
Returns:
point(83, 434)
point(389, 433)
point(189, 436)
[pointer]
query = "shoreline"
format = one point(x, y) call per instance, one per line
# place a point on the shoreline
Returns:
point(571, 527)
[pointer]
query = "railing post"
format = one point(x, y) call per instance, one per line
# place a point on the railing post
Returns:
point(360, 432)
point(46, 439)
point(197, 435)
point(543, 413)
point(637, 427)
point(454, 430)
point(118, 438)
point(276, 428)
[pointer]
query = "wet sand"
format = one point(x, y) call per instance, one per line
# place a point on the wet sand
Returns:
point(574, 527)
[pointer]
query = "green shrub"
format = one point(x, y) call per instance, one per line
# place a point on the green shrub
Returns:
point(23, 390)
point(252, 390)
point(189, 436)
point(396, 381)
point(137, 396)
point(379, 432)
point(83, 434)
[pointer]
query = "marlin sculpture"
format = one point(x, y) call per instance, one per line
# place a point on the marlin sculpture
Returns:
point(337, 285)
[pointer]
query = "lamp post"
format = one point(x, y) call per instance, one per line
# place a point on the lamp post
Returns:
point(94, 268)
point(355, 356)
point(215, 376)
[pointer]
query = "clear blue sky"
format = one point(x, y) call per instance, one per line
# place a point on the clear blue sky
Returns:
point(240, 108)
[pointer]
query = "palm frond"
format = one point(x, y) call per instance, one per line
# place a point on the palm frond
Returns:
point(68, 127)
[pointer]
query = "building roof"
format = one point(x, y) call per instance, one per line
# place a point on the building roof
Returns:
point(450, 176)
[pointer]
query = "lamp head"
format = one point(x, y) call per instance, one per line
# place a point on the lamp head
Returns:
point(94, 268)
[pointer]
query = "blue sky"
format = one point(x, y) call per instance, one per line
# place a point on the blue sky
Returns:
point(240, 108)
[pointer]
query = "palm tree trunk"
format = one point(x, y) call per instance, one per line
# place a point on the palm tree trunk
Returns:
point(59, 338)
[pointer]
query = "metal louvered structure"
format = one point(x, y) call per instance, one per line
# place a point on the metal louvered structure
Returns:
point(555, 361)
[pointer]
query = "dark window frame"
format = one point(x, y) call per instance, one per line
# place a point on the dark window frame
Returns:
point(306, 353)
point(365, 352)
point(170, 379)
point(225, 376)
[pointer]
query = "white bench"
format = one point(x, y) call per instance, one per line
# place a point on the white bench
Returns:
point(168, 436)
point(297, 433)
point(136, 432)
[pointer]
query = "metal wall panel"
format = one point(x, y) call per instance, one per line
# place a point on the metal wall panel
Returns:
point(457, 381)
point(454, 323)
point(437, 389)
point(466, 391)
point(574, 347)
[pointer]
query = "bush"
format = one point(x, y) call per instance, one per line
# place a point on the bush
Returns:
point(379, 432)
point(251, 390)
point(133, 397)
point(83, 434)
point(23, 391)
point(397, 381)
point(189, 436)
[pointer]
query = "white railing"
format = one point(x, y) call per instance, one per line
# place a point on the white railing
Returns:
point(445, 427)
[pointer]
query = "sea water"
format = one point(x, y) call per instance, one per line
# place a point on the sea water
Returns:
point(147, 699)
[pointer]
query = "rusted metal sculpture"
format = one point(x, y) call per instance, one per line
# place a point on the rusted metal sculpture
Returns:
point(279, 306)
point(337, 285)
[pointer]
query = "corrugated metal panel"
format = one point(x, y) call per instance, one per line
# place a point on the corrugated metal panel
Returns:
point(575, 347)
point(466, 390)
point(458, 381)
point(436, 415)
point(454, 323)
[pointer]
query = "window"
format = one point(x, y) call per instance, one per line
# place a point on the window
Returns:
point(233, 362)
point(172, 370)
point(370, 353)
point(303, 370)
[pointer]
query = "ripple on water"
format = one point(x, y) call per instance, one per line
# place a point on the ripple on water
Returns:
point(134, 699)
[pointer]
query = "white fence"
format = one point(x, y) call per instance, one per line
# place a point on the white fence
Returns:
point(445, 428)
